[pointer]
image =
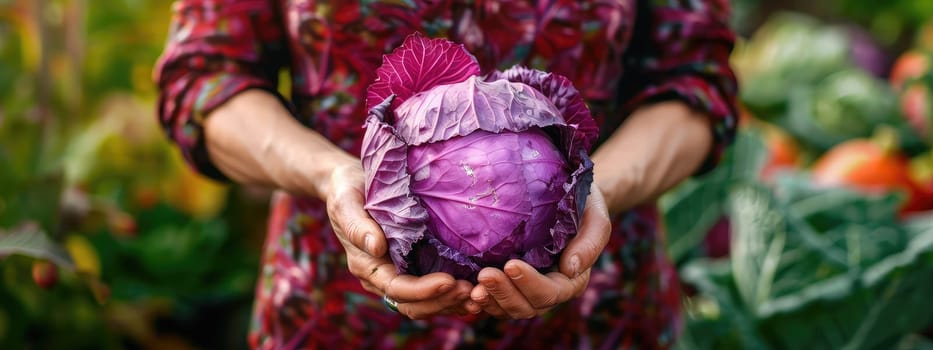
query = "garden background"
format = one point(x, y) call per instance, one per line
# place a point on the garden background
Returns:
point(817, 231)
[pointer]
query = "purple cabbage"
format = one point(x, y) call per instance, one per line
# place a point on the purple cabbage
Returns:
point(466, 171)
point(866, 53)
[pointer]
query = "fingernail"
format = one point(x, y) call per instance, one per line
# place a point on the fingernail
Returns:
point(370, 244)
point(574, 265)
point(444, 288)
point(513, 272)
point(488, 284)
point(481, 298)
point(480, 302)
point(473, 307)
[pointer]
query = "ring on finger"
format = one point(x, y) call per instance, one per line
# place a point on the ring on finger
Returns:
point(389, 303)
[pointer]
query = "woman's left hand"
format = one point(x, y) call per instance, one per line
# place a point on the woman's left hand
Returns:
point(521, 292)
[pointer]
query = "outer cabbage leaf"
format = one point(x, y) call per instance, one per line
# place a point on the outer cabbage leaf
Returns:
point(459, 109)
point(560, 91)
point(387, 183)
point(418, 65)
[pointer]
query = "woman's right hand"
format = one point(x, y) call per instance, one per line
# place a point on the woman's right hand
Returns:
point(366, 248)
point(254, 140)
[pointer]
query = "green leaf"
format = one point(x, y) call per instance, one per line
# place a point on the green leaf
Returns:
point(713, 278)
point(170, 252)
point(748, 156)
point(915, 342)
point(821, 268)
point(689, 215)
point(30, 240)
point(758, 238)
point(859, 311)
point(694, 207)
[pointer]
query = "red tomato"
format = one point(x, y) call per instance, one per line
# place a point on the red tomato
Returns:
point(914, 98)
point(915, 104)
point(911, 64)
point(44, 273)
point(871, 168)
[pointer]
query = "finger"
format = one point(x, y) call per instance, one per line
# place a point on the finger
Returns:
point(588, 244)
point(450, 302)
point(576, 285)
point(357, 226)
point(409, 288)
point(541, 291)
point(460, 309)
point(480, 297)
point(493, 309)
point(505, 294)
point(472, 307)
point(379, 277)
point(374, 274)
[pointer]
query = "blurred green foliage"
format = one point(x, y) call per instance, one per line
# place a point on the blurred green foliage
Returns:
point(158, 256)
point(888, 20)
point(810, 266)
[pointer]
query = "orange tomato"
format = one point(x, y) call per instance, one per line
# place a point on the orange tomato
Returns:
point(783, 152)
point(870, 167)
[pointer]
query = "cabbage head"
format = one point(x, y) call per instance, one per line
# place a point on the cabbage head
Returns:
point(464, 170)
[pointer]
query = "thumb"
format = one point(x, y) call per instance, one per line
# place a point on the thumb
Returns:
point(357, 226)
point(583, 250)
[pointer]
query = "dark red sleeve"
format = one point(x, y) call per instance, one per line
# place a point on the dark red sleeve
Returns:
point(215, 49)
point(680, 50)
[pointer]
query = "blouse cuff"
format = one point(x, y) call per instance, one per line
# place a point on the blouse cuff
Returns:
point(184, 105)
point(703, 96)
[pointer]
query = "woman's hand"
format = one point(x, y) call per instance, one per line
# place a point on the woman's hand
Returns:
point(254, 140)
point(521, 292)
point(366, 247)
point(657, 147)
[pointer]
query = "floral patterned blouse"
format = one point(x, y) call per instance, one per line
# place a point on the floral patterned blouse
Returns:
point(619, 54)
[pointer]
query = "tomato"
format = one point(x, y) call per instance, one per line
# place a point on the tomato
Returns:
point(783, 152)
point(915, 104)
point(914, 96)
point(871, 166)
point(911, 64)
point(44, 273)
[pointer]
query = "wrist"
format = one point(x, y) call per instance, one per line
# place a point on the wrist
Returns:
point(254, 140)
point(619, 184)
point(340, 168)
point(655, 148)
